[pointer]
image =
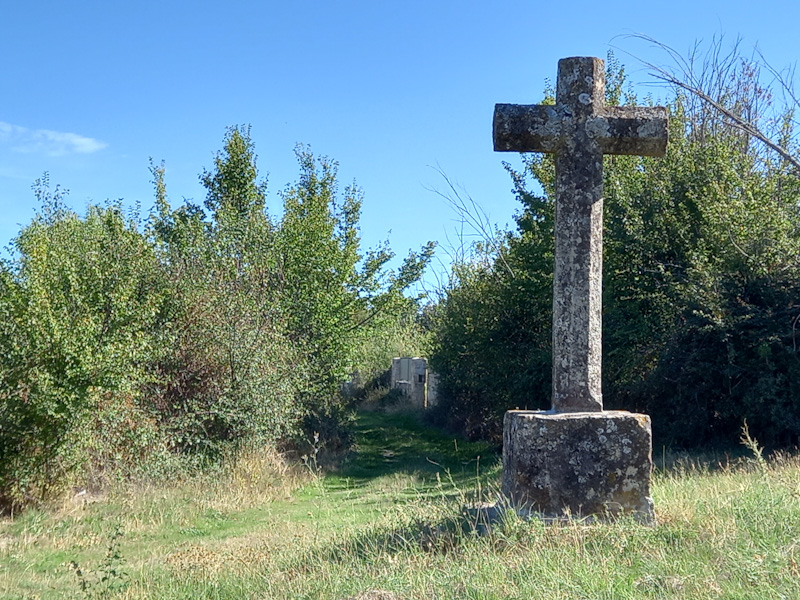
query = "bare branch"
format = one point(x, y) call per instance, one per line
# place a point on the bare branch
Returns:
point(736, 121)
point(710, 81)
point(470, 213)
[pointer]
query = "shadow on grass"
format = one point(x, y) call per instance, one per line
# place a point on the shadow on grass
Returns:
point(441, 528)
point(398, 443)
point(450, 527)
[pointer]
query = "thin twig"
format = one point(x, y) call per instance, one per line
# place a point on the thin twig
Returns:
point(473, 215)
point(689, 82)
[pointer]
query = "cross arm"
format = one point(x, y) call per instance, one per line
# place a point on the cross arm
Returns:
point(632, 130)
point(526, 128)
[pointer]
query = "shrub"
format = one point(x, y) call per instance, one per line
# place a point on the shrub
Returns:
point(82, 319)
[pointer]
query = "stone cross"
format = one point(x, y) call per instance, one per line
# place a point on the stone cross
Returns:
point(579, 129)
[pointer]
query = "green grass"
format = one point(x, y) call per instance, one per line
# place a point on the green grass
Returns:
point(390, 519)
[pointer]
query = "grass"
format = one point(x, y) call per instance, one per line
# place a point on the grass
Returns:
point(390, 519)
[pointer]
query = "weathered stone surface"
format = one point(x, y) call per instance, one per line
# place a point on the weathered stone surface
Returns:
point(579, 129)
point(579, 464)
point(625, 130)
point(411, 376)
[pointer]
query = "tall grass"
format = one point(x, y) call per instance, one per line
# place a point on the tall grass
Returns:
point(391, 522)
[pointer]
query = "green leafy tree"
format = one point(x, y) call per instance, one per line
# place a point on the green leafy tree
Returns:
point(271, 318)
point(333, 296)
point(233, 186)
point(232, 377)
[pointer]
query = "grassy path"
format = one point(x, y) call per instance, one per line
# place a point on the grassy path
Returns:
point(390, 520)
point(396, 462)
point(399, 446)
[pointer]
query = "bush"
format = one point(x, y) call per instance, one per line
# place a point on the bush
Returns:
point(210, 331)
point(82, 312)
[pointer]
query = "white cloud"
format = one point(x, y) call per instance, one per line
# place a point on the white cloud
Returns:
point(45, 141)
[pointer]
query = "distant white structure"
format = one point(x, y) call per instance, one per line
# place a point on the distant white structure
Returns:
point(411, 375)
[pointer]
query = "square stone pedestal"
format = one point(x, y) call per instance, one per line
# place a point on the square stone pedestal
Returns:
point(579, 464)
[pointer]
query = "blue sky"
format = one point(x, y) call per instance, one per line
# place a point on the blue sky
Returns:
point(392, 90)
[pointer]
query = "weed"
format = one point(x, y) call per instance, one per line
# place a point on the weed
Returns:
point(310, 460)
point(108, 578)
point(752, 444)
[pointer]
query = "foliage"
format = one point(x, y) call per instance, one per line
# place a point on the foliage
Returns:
point(485, 314)
point(230, 376)
point(82, 310)
point(233, 187)
point(393, 334)
point(210, 331)
point(109, 578)
point(700, 285)
point(702, 290)
point(334, 297)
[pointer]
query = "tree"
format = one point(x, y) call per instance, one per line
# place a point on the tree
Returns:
point(232, 377)
point(333, 295)
point(271, 317)
point(233, 186)
point(83, 317)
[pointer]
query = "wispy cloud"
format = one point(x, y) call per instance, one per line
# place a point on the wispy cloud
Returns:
point(45, 141)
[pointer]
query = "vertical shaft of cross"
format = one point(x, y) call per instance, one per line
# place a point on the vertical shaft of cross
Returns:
point(577, 278)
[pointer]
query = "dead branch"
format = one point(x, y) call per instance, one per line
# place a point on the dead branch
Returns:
point(471, 214)
point(715, 65)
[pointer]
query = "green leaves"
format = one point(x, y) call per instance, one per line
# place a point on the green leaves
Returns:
point(332, 294)
point(83, 308)
point(207, 330)
point(233, 187)
point(270, 316)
